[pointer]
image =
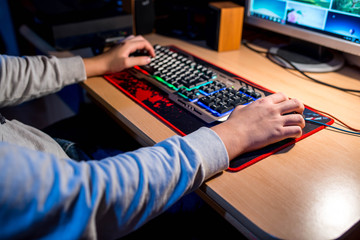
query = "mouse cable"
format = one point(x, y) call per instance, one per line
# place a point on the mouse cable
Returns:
point(327, 125)
point(337, 119)
point(267, 53)
point(351, 130)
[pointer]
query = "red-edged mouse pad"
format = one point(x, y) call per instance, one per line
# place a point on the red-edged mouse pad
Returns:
point(180, 120)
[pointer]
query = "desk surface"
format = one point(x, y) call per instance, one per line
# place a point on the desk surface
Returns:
point(307, 191)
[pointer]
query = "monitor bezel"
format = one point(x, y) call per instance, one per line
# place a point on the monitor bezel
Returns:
point(315, 37)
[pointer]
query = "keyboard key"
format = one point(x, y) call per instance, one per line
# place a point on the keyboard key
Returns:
point(224, 108)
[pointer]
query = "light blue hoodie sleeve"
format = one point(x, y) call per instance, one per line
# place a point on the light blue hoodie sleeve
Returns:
point(44, 197)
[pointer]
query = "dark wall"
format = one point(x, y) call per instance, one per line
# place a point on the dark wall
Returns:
point(8, 42)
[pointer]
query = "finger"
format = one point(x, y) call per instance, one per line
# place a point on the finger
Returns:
point(292, 132)
point(278, 97)
point(292, 105)
point(294, 120)
point(133, 61)
point(139, 45)
point(148, 47)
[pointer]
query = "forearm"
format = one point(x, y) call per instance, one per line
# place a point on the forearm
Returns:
point(25, 78)
point(96, 66)
point(120, 193)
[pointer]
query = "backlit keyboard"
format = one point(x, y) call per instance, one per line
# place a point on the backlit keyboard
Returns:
point(203, 89)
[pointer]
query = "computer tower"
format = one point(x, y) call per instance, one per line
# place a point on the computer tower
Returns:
point(143, 13)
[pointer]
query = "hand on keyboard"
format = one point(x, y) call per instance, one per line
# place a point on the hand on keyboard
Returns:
point(118, 58)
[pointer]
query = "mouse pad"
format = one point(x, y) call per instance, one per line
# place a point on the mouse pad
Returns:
point(181, 121)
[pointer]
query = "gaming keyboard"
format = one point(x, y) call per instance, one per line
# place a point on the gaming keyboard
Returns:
point(176, 83)
point(202, 89)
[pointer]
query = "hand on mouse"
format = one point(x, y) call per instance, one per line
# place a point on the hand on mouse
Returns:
point(261, 123)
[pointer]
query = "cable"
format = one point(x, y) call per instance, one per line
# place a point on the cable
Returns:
point(246, 44)
point(327, 125)
point(267, 53)
point(344, 124)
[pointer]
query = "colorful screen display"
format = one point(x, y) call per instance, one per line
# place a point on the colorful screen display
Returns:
point(338, 18)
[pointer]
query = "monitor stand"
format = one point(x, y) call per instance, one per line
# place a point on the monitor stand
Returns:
point(307, 57)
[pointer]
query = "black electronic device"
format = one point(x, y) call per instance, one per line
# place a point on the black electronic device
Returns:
point(144, 16)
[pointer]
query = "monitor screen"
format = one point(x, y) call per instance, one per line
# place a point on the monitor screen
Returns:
point(330, 23)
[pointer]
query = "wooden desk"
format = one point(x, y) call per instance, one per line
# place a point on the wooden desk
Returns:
point(308, 191)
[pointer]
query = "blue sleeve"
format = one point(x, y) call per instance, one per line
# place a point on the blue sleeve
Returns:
point(45, 197)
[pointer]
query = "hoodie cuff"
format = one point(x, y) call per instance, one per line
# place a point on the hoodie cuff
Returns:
point(73, 69)
point(214, 155)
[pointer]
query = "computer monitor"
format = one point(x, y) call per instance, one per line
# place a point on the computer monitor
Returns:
point(333, 24)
